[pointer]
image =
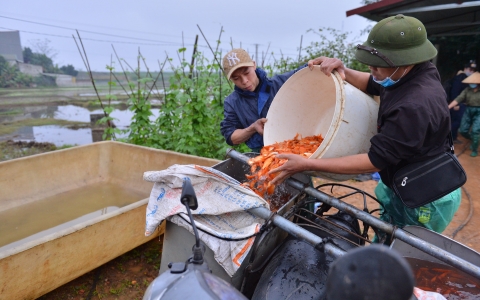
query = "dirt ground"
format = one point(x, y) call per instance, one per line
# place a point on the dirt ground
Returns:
point(10, 149)
point(467, 219)
point(128, 276)
point(464, 227)
point(124, 278)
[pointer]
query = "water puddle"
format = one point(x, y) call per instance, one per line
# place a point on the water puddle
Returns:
point(60, 135)
point(40, 218)
point(57, 135)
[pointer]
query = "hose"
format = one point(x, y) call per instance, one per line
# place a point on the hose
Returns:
point(470, 203)
point(470, 213)
point(96, 277)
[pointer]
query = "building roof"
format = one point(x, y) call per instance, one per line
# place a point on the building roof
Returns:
point(440, 17)
point(10, 46)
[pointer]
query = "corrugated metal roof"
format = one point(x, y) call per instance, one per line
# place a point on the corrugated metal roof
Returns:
point(10, 46)
point(440, 17)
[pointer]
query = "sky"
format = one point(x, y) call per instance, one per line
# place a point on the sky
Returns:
point(160, 28)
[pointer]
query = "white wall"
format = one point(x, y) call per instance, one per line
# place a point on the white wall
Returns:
point(29, 69)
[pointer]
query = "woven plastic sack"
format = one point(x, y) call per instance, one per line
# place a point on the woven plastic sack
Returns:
point(222, 211)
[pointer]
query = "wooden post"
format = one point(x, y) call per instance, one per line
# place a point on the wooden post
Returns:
point(300, 50)
point(193, 56)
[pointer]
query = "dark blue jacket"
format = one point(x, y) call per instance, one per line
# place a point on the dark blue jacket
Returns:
point(241, 108)
point(457, 86)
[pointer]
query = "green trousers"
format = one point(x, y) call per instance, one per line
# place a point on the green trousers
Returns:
point(434, 216)
point(470, 126)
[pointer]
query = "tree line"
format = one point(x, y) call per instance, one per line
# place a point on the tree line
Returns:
point(10, 75)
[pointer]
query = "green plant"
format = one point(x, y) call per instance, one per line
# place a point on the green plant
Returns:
point(146, 283)
point(127, 283)
point(80, 290)
point(69, 70)
point(44, 80)
point(282, 65)
point(190, 112)
point(334, 43)
point(139, 91)
point(44, 56)
point(115, 291)
point(120, 267)
point(23, 79)
point(99, 295)
point(110, 131)
point(10, 112)
point(193, 109)
point(65, 146)
point(141, 130)
point(10, 76)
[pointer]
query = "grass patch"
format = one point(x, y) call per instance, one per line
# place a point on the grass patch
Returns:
point(95, 104)
point(11, 150)
point(8, 128)
point(10, 112)
point(42, 91)
point(66, 146)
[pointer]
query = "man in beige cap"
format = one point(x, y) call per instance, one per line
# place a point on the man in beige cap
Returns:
point(245, 109)
point(470, 126)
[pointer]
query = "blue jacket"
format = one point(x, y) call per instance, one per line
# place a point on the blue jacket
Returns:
point(243, 108)
point(457, 86)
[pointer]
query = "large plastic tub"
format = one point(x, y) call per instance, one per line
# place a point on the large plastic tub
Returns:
point(67, 212)
point(312, 103)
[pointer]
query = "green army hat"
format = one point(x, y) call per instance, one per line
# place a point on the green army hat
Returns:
point(394, 42)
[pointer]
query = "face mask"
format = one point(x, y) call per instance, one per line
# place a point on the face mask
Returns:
point(473, 85)
point(468, 73)
point(389, 81)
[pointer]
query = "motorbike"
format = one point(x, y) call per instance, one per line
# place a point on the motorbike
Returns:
point(307, 254)
point(191, 279)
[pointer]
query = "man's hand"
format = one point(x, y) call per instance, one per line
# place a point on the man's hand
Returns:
point(295, 164)
point(352, 164)
point(258, 125)
point(327, 65)
point(454, 103)
point(242, 135)
point(456, 107)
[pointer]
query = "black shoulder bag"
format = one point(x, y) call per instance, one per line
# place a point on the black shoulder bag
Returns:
point(420, 183)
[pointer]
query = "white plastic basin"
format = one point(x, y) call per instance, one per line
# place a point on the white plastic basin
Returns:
point(312, 103)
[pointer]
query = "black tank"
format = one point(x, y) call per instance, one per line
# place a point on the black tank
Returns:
point(299, 271)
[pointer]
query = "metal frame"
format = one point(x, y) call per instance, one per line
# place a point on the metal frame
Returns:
point(319, 243)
